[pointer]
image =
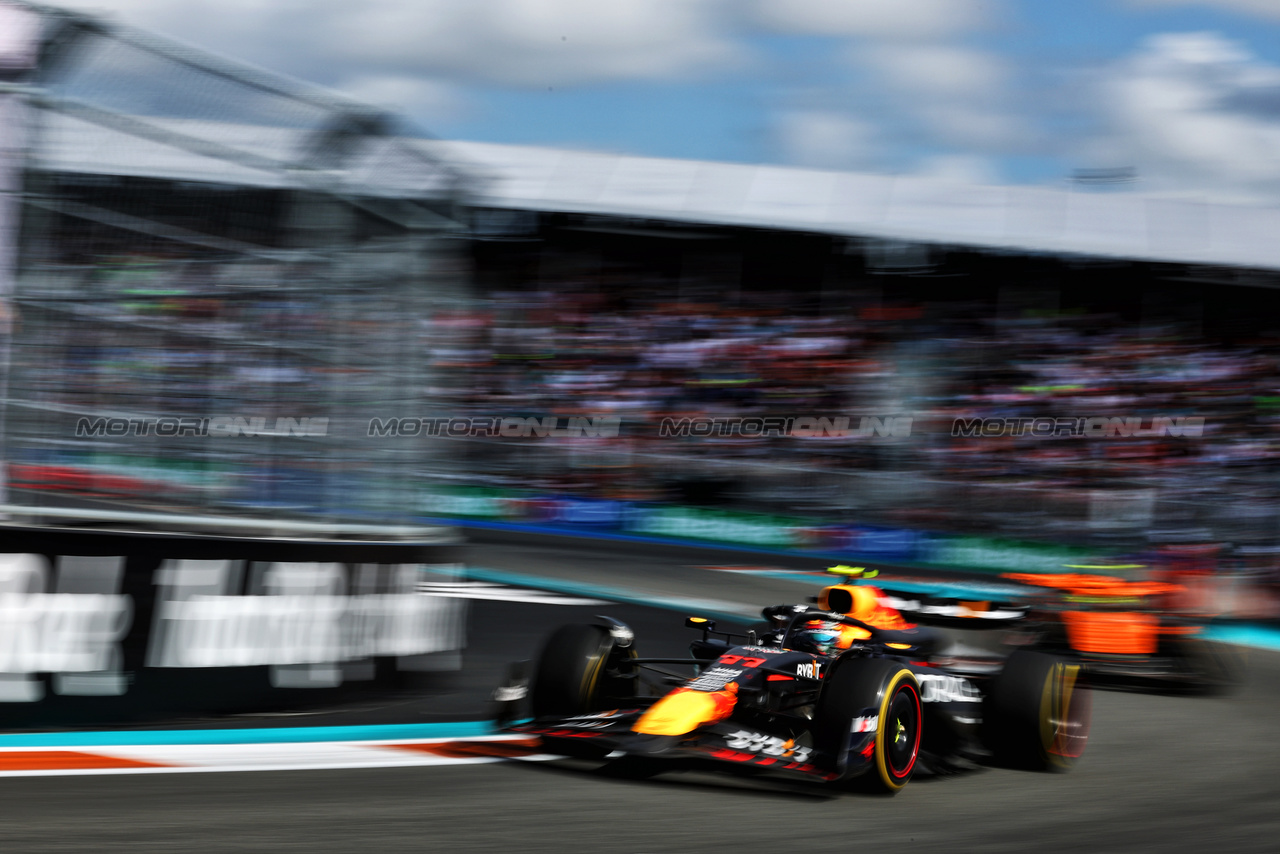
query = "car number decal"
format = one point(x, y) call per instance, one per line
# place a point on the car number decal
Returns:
point(769, 745)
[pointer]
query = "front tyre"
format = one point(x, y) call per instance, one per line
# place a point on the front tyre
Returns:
point(577, 673)
point(854, 688)
point(1037, 712)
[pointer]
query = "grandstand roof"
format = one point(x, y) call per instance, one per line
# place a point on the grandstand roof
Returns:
point(1119, 224)
point(236, 154)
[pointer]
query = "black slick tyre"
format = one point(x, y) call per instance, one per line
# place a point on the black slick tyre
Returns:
point(573, 673)
point(859, 686)
point(1036, 713)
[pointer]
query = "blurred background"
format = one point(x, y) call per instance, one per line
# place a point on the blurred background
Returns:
point(347, 349)
point(927, 211)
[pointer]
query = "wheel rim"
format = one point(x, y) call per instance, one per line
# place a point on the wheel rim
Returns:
point(1068, 713)
point(902, 731)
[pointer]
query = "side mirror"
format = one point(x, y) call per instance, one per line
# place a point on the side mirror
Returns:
point(700, 623)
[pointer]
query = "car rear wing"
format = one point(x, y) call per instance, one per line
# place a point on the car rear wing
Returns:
point(954, 612)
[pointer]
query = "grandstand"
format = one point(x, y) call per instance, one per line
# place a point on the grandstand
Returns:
point(216, 233)
point(661, 288)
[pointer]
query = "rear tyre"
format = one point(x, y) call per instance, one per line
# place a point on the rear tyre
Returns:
point(1036, 714)
point(577, 673)
point(860, 686)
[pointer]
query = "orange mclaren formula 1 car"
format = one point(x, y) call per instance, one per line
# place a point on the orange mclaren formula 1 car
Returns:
point(844, 691)
point(1121, 632)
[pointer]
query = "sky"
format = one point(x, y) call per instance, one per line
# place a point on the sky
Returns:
point(1184, 93)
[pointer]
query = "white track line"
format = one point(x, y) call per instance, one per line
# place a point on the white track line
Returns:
point(204, 758)
point(490, 591)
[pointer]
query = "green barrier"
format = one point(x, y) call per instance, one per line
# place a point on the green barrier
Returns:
point(190, 473)
point(719, 525)
point(1002, 555)
point(470, 502)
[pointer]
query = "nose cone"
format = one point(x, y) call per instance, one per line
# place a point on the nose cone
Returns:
point(682, 711)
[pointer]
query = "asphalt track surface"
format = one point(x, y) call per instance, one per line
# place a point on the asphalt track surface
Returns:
point(1162, 773)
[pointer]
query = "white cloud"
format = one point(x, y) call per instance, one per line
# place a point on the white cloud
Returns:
point(936, 71)
point(892, 19)
point(526, 43)
point(957, 95)
point(1258, 8)
point(958, 169)
point(976, 126)
point(429, 100)
point(915, 81)
point(1196, 112)
point(826, 140)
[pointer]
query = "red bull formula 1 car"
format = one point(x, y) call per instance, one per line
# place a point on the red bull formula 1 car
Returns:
point(844, 691)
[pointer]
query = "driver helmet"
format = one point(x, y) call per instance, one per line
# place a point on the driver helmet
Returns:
point(817, 636)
